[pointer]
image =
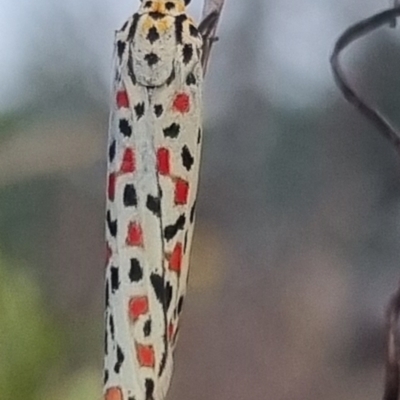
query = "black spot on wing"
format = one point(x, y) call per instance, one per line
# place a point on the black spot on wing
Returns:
point(157, 281)
point(120, 48)
point(163, 363)
point(191, 79)
point(172, 131)
point(187, 158)
point(171, 78)
point(120, 360)
point(199, 136)
point(168, 295)
point(131, 73)
point(149, 384)
point(106, 341)
point(148, 4)
point(151, 59)
point(135, 272)
point(153, 35)
point(158, 110)
point(193, 31)
point(125, 128)
point(169, 5)
point(147, 328)
point(154, 205)
point(112, 151)
point(112, 326)
point(185, 242)
point(107, 293)
point(192, 213)
point(180, 304)
point(179, 20)
point(171, 230)
point(139, 110)
point(112, 225)
point(130, 196)
point(133, 28)
point(106, 376)
point(124, 26)
point(187, 53)
point(114, 279)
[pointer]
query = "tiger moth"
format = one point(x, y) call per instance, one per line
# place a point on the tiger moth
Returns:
point(154, 148)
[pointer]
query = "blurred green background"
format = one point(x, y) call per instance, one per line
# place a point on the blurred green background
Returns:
point(298, 232)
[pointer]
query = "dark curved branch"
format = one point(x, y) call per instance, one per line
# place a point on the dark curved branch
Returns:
point(392, 370)
point(349, 36)
point(392, 375)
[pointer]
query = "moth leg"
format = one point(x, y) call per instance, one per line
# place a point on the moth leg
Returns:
point(208, 24)
point(207, 29)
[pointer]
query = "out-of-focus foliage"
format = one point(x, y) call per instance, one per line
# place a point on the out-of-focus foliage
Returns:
point(79, 385)
point(32, 345)
point(30, 342)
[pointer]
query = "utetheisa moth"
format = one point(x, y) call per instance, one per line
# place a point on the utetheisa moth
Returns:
point(153, 167)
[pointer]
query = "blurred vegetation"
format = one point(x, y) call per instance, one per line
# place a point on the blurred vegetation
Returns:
point(30, 341)
point(33, 345)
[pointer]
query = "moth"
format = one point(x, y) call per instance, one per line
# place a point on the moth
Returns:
point(154, 149)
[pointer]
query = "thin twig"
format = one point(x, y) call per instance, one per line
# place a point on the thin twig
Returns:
point(350, 35)
point(392, 378)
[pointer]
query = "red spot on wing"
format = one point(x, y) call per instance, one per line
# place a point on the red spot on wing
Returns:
point(163, 161)
point(128, 164)
point(182, 103)
point(181, 191)
point(135, 235)
point(122, 99)
point(175, 260)
point(138, 306)
point(111, 186)
point(170, 331)
point(145, 355)
point(113, 393)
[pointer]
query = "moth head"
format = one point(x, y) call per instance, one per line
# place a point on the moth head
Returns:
point(186, 2)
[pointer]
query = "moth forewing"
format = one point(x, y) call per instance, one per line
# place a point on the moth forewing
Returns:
point(153, 167)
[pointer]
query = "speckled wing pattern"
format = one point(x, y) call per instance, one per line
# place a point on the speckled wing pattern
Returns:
point(153, 167)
